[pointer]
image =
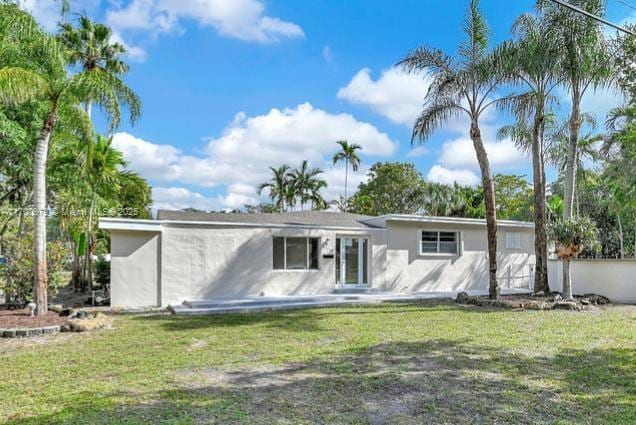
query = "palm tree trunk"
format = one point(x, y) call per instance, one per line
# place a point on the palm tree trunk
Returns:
point(346, 183)
point(88, 275)
point(40, 284)
point(538, 180)
point(570, 176)
point(621, 237)
point(491, 212)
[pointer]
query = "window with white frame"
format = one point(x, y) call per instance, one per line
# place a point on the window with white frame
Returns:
point(437, 242)
point(513, 240)
point(292, 253)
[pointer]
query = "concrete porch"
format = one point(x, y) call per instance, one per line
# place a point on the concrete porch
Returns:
point(255, 304)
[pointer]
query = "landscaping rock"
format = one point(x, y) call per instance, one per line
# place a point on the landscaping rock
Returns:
point(57, 308)
point(558, 298)
point(584, 301)
point(462, 298)
point(89, 323)
point(565, 305)
point(597, 299)
point(538, 305)
point(67, 312)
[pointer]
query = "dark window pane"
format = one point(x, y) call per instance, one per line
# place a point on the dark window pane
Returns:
point(313, 253)
point(296, 253)
point(365, 248)
point(279, 253)
point(447, 236)
point(338, 260)
point(429, 237)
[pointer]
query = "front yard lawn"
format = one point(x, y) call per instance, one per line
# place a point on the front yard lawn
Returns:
point(395, 363)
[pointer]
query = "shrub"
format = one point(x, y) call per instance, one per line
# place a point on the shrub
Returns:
point(571, 235)
point(102, 271)
point(17, 275)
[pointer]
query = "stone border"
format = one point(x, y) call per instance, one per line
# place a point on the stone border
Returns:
point(24, 332)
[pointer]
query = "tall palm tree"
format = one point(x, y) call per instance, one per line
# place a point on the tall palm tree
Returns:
point(89, 46)
point(463, 85)
point(101, 166)
point(278, 186)
point(534, 63)
point(306, 183)
point(347, 154)
point(42, 74)
point(586, 63)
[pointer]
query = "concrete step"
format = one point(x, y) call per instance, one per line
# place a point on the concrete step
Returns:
point(268, 301)
point(345, 290)
point(220, 309)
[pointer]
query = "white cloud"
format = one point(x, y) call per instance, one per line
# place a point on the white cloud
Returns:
point(396, 95)
point(439, 174)
point(240, 157)
point(417, 151)
point(135, 53)
point(177, 198)
point(49, 12)
point(597, 102)
point(460, 153)
point(240, 19)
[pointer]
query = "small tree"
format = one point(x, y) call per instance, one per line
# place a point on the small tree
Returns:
point(571, 236)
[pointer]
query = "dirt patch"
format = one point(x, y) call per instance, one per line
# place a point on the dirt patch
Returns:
point(14, 319)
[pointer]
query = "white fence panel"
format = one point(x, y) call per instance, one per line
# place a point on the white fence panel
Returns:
point(615, 279)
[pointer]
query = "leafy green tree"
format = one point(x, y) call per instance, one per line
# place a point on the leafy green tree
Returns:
point(514, 197)
point(464, 85)
point(135, 196)
point(347, 154)
point(391, 188)
point(34, 67)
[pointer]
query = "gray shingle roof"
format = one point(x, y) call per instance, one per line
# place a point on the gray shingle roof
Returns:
point(311, 218)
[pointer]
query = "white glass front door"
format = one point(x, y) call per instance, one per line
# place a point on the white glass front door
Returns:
point(352, 261)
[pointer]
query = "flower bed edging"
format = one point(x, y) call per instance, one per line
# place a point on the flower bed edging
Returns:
point(24, 332)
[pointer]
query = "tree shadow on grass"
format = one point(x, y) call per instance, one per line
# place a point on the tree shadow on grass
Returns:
point(435, 381)
point(308, 319)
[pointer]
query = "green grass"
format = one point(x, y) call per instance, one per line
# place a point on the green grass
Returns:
point(394, 363)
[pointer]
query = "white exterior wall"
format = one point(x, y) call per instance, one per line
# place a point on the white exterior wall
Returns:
point(173, 263)
point(615, 279)
point(408, 271)
point(134, 268)
point(232, 262)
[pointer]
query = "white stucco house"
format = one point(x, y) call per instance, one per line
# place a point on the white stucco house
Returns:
point(184, 256)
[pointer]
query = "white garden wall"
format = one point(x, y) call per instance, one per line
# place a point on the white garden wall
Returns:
point(615, 279)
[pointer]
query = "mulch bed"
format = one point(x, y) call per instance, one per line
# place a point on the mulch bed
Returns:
point(20, 319)
point(531, 302)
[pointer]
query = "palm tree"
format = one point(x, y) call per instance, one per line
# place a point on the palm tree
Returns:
point(463, 85)
point(305, 184)
point(101, 165)
point(89, 46)
point(21, 80)
point(534, 60)
point(278, 186)
point(586, 63)
point(347, 154)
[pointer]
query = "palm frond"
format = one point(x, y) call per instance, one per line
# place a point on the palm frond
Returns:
point(433, 117)
point(18, 85)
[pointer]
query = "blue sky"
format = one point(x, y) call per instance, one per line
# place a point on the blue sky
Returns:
point(230, 87)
